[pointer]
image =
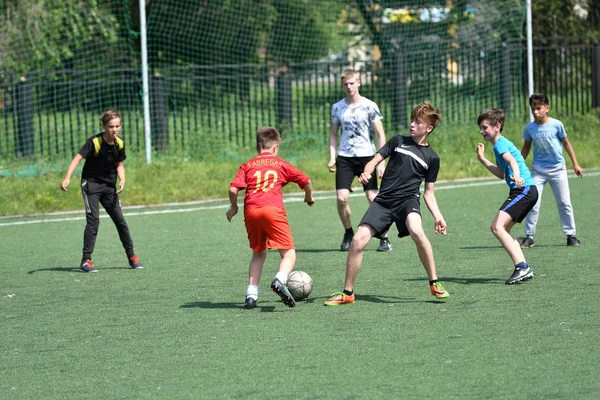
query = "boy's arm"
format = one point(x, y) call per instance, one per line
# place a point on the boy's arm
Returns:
point(369, 168)
point(379, 131)
point(233, 208)
point(571, 152)
point(430, 200)
point(526, 148)
point(308, 198)
point(74, 163)
point(514, 166)
point(493, 168)
point(332, 145)
point(121, 175)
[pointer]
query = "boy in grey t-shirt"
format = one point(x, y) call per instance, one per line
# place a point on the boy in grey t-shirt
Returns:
point(354, 115)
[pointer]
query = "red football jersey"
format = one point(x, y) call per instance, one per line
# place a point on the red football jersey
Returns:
point(263, 177)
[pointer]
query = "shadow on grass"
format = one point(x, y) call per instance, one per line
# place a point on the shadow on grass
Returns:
point(213, 305)
point(500, 247)
point(71, 269)
point(55, 269)
point(317, 251)
point(464, 281)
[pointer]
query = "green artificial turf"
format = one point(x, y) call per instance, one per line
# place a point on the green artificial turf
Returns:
point(177, 329)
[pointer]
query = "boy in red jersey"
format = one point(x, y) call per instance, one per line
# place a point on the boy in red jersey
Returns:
point(266, 222)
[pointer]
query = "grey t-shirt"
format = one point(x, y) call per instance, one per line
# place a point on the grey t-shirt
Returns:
point(355, 124)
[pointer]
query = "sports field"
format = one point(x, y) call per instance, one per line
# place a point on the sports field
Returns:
point(177, 329)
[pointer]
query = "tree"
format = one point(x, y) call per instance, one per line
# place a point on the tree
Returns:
point(566, 18)
point(43, 34)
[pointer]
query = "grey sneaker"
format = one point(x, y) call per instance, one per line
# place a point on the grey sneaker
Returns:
point(384, 245)
point(520, 275)
point(283, 292)
point(527, 243)
point(572, 241)
point(250, 303)
point(87, 266)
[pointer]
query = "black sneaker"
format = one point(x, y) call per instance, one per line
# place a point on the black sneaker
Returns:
point(250, 303)
point(345, 246)
point(520, 275)
point(135, 263)
point(572, 241)
point(527, 243)
point(283, 292)
point(384, 245)
point(87, 266)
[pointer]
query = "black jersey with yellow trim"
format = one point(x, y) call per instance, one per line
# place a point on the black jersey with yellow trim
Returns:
point(101, 159)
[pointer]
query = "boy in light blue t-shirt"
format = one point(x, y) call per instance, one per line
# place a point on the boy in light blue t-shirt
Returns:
point(548, 137)
point(523, 194)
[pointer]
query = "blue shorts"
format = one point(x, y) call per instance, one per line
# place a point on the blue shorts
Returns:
point(520, 201)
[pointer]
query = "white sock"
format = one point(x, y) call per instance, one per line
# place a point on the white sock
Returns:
point(282, 276)
point(252, 291)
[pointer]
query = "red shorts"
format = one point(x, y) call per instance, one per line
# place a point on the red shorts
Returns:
point(268, 227)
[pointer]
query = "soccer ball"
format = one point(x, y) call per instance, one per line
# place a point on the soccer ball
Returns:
point(300, 284)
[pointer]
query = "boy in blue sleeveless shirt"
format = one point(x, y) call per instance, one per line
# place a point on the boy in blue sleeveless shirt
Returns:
point(510, 166)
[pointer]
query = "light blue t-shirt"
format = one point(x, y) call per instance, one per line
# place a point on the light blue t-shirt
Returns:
point(547, 143)
point(503, 145)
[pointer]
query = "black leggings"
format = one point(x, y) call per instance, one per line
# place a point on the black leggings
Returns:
point(94, 194)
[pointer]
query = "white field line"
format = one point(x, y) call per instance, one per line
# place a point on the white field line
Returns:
point(171, 208)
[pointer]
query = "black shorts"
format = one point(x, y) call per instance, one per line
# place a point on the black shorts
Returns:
point(347, 168)
point(520, 201)
point(381, 217)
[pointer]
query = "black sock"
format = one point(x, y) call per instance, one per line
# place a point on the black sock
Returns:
point(350, 231)
point(433, 281)
point(348, 292)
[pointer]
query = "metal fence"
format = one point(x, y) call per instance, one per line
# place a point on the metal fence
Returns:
point(196, 110)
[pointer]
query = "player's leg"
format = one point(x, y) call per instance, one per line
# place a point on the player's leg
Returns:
point(559, 182)
point(361, 238)
point(111, 203)
point(363, 235)
point(414, 225)
point(254, 273)
point(257, 239)
point(256, 266)
point(415, 228)
point(279, 236)
point(377, 219)
point(344, 208)
point(515, 208)
point(344, 176)
point(501, 226)
point(371, 190)
point(91, 200)
point(531, 220)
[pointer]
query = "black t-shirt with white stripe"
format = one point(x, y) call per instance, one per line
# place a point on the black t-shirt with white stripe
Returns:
point(408, 165)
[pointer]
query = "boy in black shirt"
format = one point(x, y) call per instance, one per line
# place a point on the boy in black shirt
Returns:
point(104, 154)
point(411, 161)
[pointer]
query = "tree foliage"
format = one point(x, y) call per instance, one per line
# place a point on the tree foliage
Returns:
point(566, 18)
point(201, 32)
point(43, 34)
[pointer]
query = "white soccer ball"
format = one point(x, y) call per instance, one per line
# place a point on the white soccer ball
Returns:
point(300, 284)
